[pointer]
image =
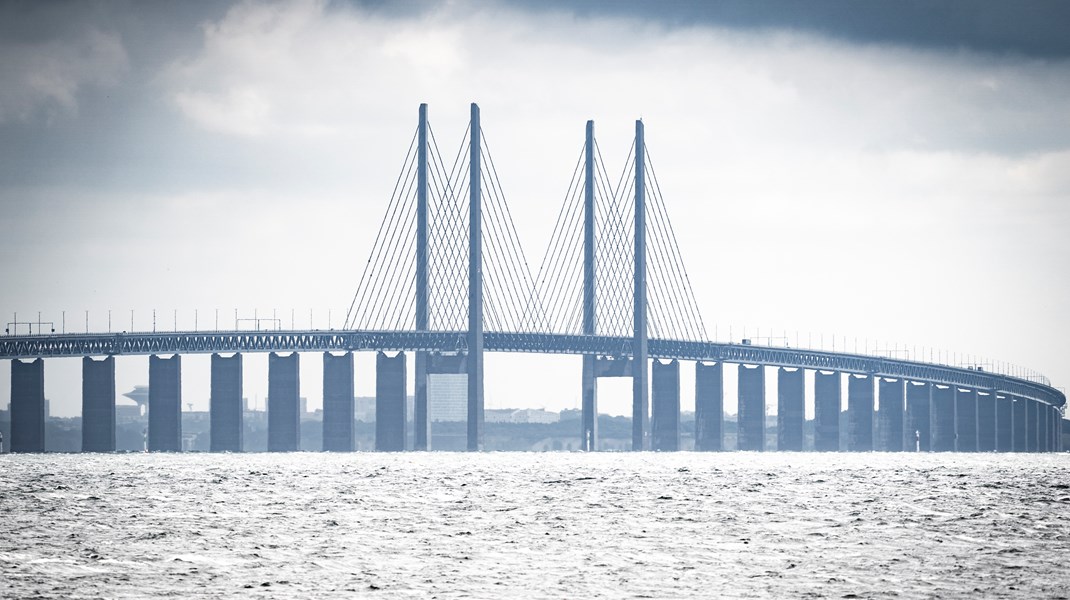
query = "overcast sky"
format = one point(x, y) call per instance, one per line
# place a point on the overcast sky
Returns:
point(879, 171)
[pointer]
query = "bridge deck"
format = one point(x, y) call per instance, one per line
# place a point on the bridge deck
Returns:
point(200, 342)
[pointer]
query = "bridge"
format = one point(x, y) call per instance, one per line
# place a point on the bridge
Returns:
point(448, 281)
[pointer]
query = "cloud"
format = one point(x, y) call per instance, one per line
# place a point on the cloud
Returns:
point(42, 78)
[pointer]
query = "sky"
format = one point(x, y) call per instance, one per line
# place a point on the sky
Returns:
point(894, 174)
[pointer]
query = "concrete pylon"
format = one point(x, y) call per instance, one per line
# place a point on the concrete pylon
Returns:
point(225, 404)
point(791, 406)
point(165, 403)
point(709, 407)
point(28, 406)
point(827, 391)
point(750, 420)
point(98, 404)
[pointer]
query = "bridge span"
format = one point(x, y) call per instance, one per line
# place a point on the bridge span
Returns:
point(447, 280)
point(923, 406)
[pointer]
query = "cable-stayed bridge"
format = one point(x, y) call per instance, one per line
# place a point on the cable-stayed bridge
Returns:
point(447, 280)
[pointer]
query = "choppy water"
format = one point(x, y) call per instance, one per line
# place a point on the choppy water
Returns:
point(535, 525)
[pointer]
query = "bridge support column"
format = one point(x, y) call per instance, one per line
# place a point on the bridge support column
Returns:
point(965, 420)
point(1020, 428)
point(986, 421)
point(98, 404)
point(28, 405)
point(827, 391)
point(750, 419)
point(284, 402)
point(1045, 427)
point(890, 415)
point(421, 419)
point(589, 412)
point(943, 418)
point(916, 429)
point(421, 438)
point(390, 400)
point(1004, 423)
point(665, 424)
point(226, 410)
point(859, 413)
point(165, 403)
point(709, 407)
point(791, 402)
point(1032, 420)
point(338, 402)
point(475, 289)
point(640, 399)
point(1058, 415)
point(589, 385)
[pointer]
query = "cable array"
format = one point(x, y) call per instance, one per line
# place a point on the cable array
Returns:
point(671, 304)
point(386, 294)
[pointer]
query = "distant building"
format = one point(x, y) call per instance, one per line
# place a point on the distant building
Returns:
point(447, 398)
point(140, 395)
point(520, 415)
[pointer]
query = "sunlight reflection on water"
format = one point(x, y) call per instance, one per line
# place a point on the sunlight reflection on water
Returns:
point(535, 525)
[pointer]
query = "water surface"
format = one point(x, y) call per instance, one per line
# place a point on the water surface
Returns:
point(535, 525)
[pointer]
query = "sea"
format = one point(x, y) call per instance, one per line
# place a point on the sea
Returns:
point(535, 525)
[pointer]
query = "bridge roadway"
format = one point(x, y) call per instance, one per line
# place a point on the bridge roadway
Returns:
point(201, 342)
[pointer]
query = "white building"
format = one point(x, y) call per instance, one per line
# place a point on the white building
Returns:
point(447, 397)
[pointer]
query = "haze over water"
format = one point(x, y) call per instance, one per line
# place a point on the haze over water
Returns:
point(535, 525)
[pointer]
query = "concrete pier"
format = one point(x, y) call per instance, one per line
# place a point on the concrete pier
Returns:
point(1057, 428)
point(338, 402)
point(225, 404)
point(827, 391)
point(942, 419)
point(589, 408)
point(859, 413)
point(750, 420)
point(1004, 423)
point(890, 414)
point(98, 404)
point(1032, 426)
point(165, 403)
point(1021, 418)
point(986, 422)
point(791, 399)
point(709, 407)
point(284, 402)
point(1044, 435)
point(476, 415)
point(421, 417)
point(965, 420)
point(665, 406)
point(916, 429)
point(390, 400)
point(28, 406)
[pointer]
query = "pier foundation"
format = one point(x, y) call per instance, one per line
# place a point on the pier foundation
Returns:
point(284, 402)
point(827, 391)
point(390, 400)
point(751, 412)
point(338, 402)
point(165, 403)
point(665, 405)
point(709, 407)
point(791, 398)
point(225, 404)
point(98, 404)
point(859, 413)
point(28, 406)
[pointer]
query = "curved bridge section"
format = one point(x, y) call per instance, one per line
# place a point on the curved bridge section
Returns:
point(923, 406)
point(226, 342)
